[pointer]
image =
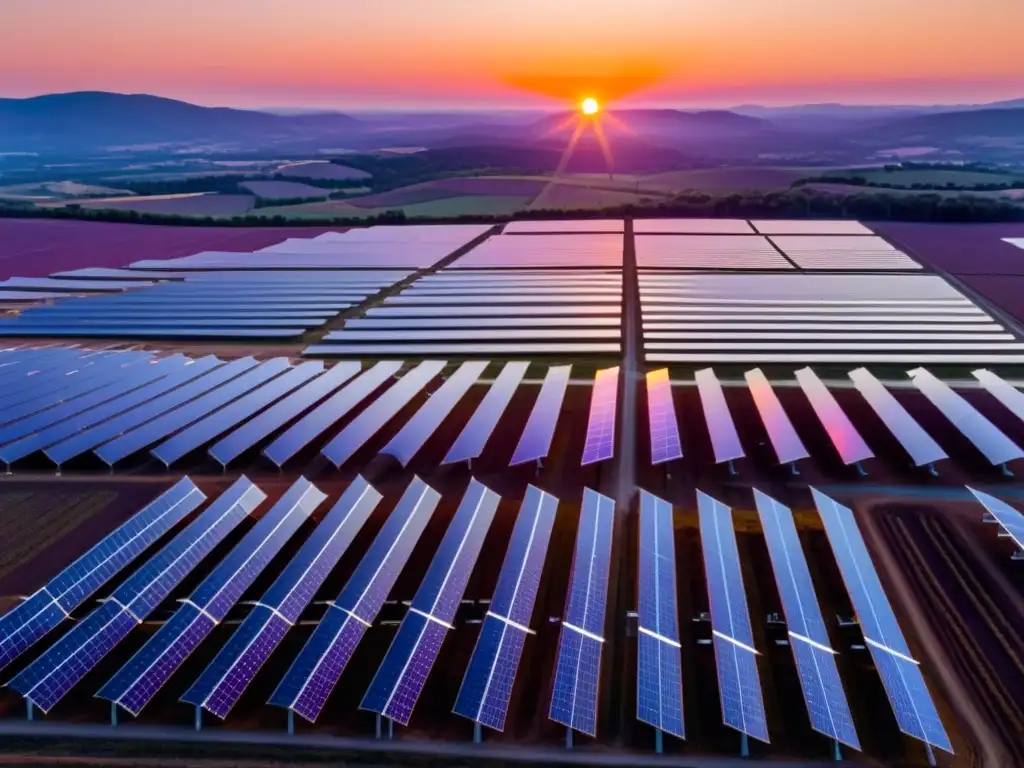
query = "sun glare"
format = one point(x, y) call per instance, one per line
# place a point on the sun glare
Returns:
point(589, 106)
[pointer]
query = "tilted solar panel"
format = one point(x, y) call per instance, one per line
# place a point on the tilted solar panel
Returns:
point(133, 331)
point(659, 687)
point(786, 442)
point(316, 670)
point(1009, 519)
point(463, 349)
point(63, 665)
point(600, 441)
point(739, 685)
point(135, 684)
point(471, 441)
point(403, 673)
point(487, 686)
point(45, 609)
point(725, 441)
point(666, 444)
point(329, 412)
point(577, 674)
point(411, 438)
point(844, 436)
point(1007, 394)
point(224, 681)
point(535, 441)
point(901, 675)
point(826, 701)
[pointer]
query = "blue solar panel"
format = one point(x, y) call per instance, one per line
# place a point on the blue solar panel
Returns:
point(574, 699)
point(735, 657)
point(45, 609)
point(600, 442)
point(724, 439)
point(915, 711)
point(535, 441)
point(666, 444)
point(487, 686)
point(659, 670)
point(410, 439)
point(471, 441)
point(202, 432)
point(1009, 519)
point(52, 675)
point(380, 412)
point(823, 692)
point(137, 682)
point(174, 321)
point(328, 413)
point(316, 671)
point(229, 674)
point(131, 330)
point(128, 420)
point(264, 424)
point(401, 676)
point(170, 422)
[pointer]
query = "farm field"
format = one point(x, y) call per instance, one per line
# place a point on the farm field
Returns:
point(725, 178)
point(271, 190)
point(320, 169)
point(199, 204)
point(907, 177)
point(56, 190)
point(855, 189)
point(576, 197)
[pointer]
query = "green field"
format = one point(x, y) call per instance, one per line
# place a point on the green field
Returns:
point(907, 177)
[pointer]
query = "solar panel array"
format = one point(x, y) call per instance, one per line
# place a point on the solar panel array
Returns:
point(400, 679)
point(600, 440)
point(725, 440)
point(809, 227)
point(786, 442)
point(666, 445)
point(472, 440)
point(481, 313)
point(692, 227)
point(901, 675)
point(745, 251)
point(575, 226)
point(487, 686)
point(843, 253)
point(546, 251)
point(805, 318)
point(578, 669)
point(535, 442)
point(844, 436)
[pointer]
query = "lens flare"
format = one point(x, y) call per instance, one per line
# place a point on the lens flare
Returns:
point(589, 106)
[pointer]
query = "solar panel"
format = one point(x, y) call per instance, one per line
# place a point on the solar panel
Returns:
point(842, 252)
point(810, 227)
point(739, 685)
point(786, 442)
point(463, 349)
point(836, 327)
point(523, 310)
point(844, 339)
point(329, 412)
point(545, 298)
point(421, 323)
point(841, 432)
point(63, 665)
point(1011, 397)
point(540, 427)
point(53, 284)
point(578, 670)
point(986, 436)
point(469, 334)
point(224, 681)
point(568, 225)
point(316, 670)
point(724, 439)
point(170, 422)
point(410, 439)
point(666, 444)
point(146, 332)
point(45, 609)
point(471, 441)
point(1009, 519)
point(135, 684)
point(744, 251)
point(170, 321)
point(260, 426)
point(600, 441)
point(487, 686)
point(901, 675)
point(209, 428)
point(826, 701)
point(403, 673)
point(659, 686)
point(692, 226)
point(921, 447)
point(380, 412)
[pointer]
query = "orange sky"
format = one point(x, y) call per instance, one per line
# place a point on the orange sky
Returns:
point(451, 53)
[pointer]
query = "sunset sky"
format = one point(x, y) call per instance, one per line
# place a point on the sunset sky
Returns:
point(439, 54)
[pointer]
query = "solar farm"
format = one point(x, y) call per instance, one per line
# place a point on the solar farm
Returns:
point(645, 488)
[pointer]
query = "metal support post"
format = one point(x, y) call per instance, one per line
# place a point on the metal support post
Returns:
point(478, 735)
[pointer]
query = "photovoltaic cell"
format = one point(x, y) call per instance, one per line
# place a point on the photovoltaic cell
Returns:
point(471, 441)
point(901, 675)
point(403, 673)
point(786, 442)
point(329, 412)
point(739, 685)
point(487, 686)
point(921, 447)
point(826, 701)
point(63, 665)
point(41, 612)
point(410, 439)
point(659, 687)
point(844, 436)
point(380, 412)
point(135, 684)
point(578, 670)
point(540, 427)
point(1001, 390)
point(986, 436)
point(257, 428)
point(230, 673)
point(600, 441)
point(314, 673)
point(666, 444)
point(724, 439)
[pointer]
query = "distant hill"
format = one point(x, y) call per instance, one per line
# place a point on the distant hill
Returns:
point(673, 123)
point(88, 120)
point(1002, 122)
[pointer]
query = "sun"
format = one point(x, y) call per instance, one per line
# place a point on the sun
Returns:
point(589, 106)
